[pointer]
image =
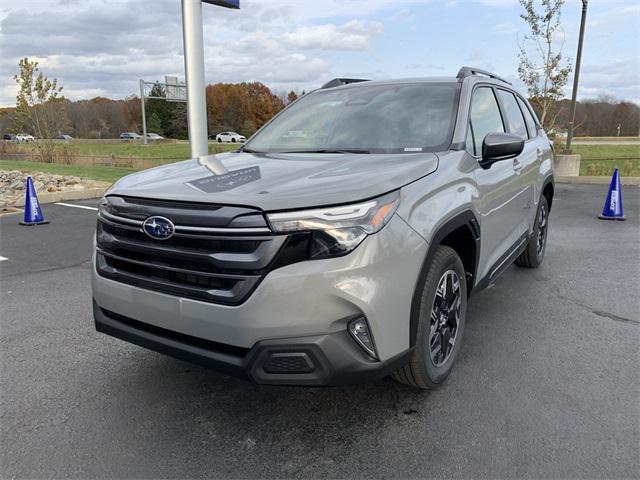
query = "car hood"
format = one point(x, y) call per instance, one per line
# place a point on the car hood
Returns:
point(278, 181)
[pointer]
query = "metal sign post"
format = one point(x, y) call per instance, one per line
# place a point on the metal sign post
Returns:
point(194, 72)
point(174, 91)
point(144, 115)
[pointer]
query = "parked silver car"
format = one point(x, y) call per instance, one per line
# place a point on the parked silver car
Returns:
point(130, 136)
point(338, 254)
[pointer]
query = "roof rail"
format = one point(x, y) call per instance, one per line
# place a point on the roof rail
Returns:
point(336, 82)
point(465, 72)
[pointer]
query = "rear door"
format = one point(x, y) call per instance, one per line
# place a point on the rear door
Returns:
point(526, 164)
point(500, 201)
point(539, 141)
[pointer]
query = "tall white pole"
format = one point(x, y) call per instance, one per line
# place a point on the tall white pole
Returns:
point(144, 115)
point(194, 73)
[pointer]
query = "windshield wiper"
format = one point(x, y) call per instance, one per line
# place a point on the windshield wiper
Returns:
point(329, 150)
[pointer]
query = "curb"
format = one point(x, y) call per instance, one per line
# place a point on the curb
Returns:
point(597, 180)
point(54, 197)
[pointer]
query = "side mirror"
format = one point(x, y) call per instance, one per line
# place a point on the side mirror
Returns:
point(500, 146)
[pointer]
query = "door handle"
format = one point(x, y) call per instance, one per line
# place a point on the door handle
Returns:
point(539, 152)
point(517, 166)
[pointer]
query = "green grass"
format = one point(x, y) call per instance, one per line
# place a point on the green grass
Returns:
point(174, 151)
point(600, 160)
point(598, 168)
point(607, 152)
point(615, 139)
point(99, 173)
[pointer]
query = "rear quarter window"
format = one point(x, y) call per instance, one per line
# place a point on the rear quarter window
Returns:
point(528, 118)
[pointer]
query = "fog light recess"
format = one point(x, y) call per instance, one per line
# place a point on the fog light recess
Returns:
point(359, 331)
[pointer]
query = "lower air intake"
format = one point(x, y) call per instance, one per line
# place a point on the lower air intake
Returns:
point(288, 363)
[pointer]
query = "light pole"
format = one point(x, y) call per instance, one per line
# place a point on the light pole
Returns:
point(144, 115)
point(194, 72)
point(572, 114)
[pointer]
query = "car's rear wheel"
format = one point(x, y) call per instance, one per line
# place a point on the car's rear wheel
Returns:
point(219, 140)
point(233, 140)
point(441, 320)
point(534, 253)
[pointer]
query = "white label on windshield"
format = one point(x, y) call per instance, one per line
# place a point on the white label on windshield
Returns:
point(412, 149)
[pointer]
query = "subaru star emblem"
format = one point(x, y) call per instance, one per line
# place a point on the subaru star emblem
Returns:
point(159, 228)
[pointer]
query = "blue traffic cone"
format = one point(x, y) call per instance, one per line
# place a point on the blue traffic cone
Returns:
point(32, 211)
point(613, 204)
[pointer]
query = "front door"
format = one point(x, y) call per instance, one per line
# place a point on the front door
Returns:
point(502, 188)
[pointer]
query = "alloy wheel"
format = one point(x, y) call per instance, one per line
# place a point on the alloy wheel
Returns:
point(445, 318)
point(542, 230)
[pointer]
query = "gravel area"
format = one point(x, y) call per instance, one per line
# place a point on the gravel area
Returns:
point(12, 184)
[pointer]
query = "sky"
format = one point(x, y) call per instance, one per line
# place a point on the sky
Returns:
point(103, 48)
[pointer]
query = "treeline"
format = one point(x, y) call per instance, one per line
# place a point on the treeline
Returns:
point(245, 107)
point(601, 118)
point(595, 117)
point(240, 107)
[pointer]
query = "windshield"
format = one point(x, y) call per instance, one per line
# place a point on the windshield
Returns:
point(409, 117)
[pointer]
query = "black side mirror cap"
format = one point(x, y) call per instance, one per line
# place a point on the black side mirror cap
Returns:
point(500, 146)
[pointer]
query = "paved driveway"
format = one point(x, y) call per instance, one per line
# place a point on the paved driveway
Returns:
point(547, 383)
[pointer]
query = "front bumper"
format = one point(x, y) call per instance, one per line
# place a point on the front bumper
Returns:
point(302, 308)
point(329, 359)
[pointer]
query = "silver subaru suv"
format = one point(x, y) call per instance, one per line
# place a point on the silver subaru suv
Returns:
point(340, 243)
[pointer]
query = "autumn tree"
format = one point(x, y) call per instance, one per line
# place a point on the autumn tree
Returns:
point(131, 113)
point(242, 107)
point(541, 66)
point(292, 96)
point(39, 106)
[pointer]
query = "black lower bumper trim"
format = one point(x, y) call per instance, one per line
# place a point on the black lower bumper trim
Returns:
point(331, 359)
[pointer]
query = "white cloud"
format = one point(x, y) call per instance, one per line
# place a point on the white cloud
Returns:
point(618, 78)
point(98, 47)
point(353, 35)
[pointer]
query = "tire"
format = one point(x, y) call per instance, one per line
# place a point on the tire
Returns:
point(534, 253)
point(425, 369)
point(219, 140)
point(233, 140)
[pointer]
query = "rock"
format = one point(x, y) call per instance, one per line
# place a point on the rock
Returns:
point(12, 183)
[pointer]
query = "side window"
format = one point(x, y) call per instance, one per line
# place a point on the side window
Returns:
point(513, 113)
point(528, 118)
point(485, 116)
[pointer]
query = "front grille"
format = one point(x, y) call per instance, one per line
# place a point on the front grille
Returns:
point(217, 254)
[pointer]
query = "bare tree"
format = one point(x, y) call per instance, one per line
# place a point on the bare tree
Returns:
point(541, 67)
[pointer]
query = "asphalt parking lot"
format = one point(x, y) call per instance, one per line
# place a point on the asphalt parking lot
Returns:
point(547, 384)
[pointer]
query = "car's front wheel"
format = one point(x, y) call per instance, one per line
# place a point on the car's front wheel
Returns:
point(441, 320)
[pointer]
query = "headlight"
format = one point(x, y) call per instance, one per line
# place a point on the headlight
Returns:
point(336, 231)
point(102, 204)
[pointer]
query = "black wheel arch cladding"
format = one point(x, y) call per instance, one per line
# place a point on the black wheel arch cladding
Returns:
point(462, 233)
